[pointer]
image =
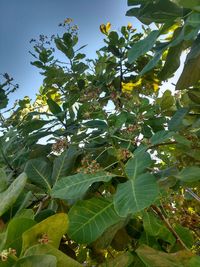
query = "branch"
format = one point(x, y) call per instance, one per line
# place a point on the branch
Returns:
point(162, 144)
point(169, 226)
point(41, 204)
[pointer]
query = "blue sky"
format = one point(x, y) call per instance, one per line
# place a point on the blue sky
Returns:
point(21, 20)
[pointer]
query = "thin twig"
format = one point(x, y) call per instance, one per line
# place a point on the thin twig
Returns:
point(162, 144)
point(41, 204)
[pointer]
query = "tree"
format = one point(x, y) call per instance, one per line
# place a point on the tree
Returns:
point(116, 181)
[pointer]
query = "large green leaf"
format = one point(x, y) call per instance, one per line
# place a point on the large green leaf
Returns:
point(75, 186)
point(54, 227)
point(142, 46)
point(14, 231)
point(37, 261)
point(189, 174)
point(156, 258)
point(10, 195)
point(90, 218)
point(137, 164)
point(62, 259)
point(39, 173)
point(64, 164)
point(135, 195)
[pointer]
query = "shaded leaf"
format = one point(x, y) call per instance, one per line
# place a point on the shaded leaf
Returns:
point(90, 218)
point(156, 258)
point(189, 174)
point(10, 195)
point(175, 124)
point(75, 186)
point(137, 164)
point(39, 173)
point(3, 180)
point(154, 227)
point(131, 196)
point(142, 46)
point(160, 137)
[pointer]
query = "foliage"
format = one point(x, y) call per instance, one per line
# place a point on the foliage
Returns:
point(102, 169)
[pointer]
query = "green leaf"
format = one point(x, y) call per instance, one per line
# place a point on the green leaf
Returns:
point(156, 258)
point(185, 235)
point(64, 164)
point(62, 258)
point(172, 62)
point(96, 124)
point(75, 186)
point(53, 106)
point(39, 173)
point(154, 227)
point(142, 46)
point(37, 261)
point(152, 63)
point(88, 219)
point(175, 124)
point(191, 72)
point(193, 4)
point(33, 125)
point(54, 227)
point(3, 180)
point(131, 196)
point(194, 261)
point(10, 195)
point(14, 231)
point(137, 164)
point(160, 137)
point(159, 11)
point(122, 260)
point(189, 174)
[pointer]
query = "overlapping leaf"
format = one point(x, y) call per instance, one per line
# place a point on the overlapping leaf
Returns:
point(39, 173)
point(75, 186)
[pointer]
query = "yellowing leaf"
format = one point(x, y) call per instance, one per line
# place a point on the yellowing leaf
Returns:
point(128, 87)
point(108, 26)
point(105, 28)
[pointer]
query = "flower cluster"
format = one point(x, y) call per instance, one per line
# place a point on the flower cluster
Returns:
point(88, 166)
point(60, 145)
point(6, 252)
point(44, 239)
